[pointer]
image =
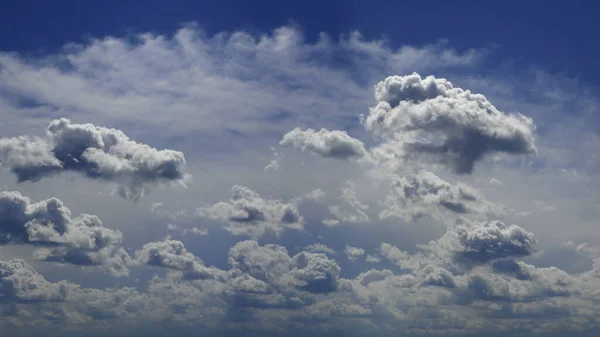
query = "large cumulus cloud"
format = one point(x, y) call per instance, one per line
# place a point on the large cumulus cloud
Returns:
point(94, 151)
point(429, 116)
point(60, 237)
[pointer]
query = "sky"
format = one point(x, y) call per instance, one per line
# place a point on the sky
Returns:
point(315, 168)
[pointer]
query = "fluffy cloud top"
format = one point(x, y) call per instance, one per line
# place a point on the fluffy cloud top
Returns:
point(325, 143)
point(429, 116)
point(247, 213)
point(19, 281)
point(493, 240)
point(173, 255)
point(81, 240)
point(353, 253)
point(97, 152)
point(312, 272)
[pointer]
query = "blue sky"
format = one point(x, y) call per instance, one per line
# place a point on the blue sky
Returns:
point(557, 36)
point(310, 168)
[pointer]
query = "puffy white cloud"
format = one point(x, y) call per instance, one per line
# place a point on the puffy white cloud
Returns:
point(173, 255)
point(247, 213)
point(430, 117)
point(353, 253)
point(493, 240)
point(325, 143)
point(311, 272)
point(81, 240)
point(97, 152)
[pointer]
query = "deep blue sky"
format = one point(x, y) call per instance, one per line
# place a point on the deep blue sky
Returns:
point(557, 35)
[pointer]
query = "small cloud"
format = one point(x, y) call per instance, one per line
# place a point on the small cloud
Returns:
point(494, 181)
point(353, 253)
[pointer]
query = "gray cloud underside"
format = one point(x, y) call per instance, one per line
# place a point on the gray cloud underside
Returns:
point(434, 290)
point(60, 237)
point(430, 117)
point(94, 151)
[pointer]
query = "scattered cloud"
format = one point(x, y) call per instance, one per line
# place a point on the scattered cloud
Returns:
point(239, 94)
point(353, 253)
point(97, 153)
point(60, 237)
point(247, 213)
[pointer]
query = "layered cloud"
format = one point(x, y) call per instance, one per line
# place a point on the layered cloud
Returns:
point(94, 151)
point(430, 117)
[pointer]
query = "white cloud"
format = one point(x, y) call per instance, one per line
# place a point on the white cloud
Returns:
point(425, 194)
point(430, 117)
point(247, 213)
point(60, 237)
point(325, 143)
point(96, 152)
point(353, 253)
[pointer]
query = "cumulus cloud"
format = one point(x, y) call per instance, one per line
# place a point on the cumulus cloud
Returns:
point(96, 152)
point(311, 272)
point(429, 116)
point(60, 237)
point(430, 291)
point(20, 282)
point(353, 253)
point(425, 194)
point(325, 143)
point(493, 240)
point(247, 213)
point(173, 255)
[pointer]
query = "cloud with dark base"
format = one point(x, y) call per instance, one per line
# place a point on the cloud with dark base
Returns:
point(432, 118)
point(97, 153)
